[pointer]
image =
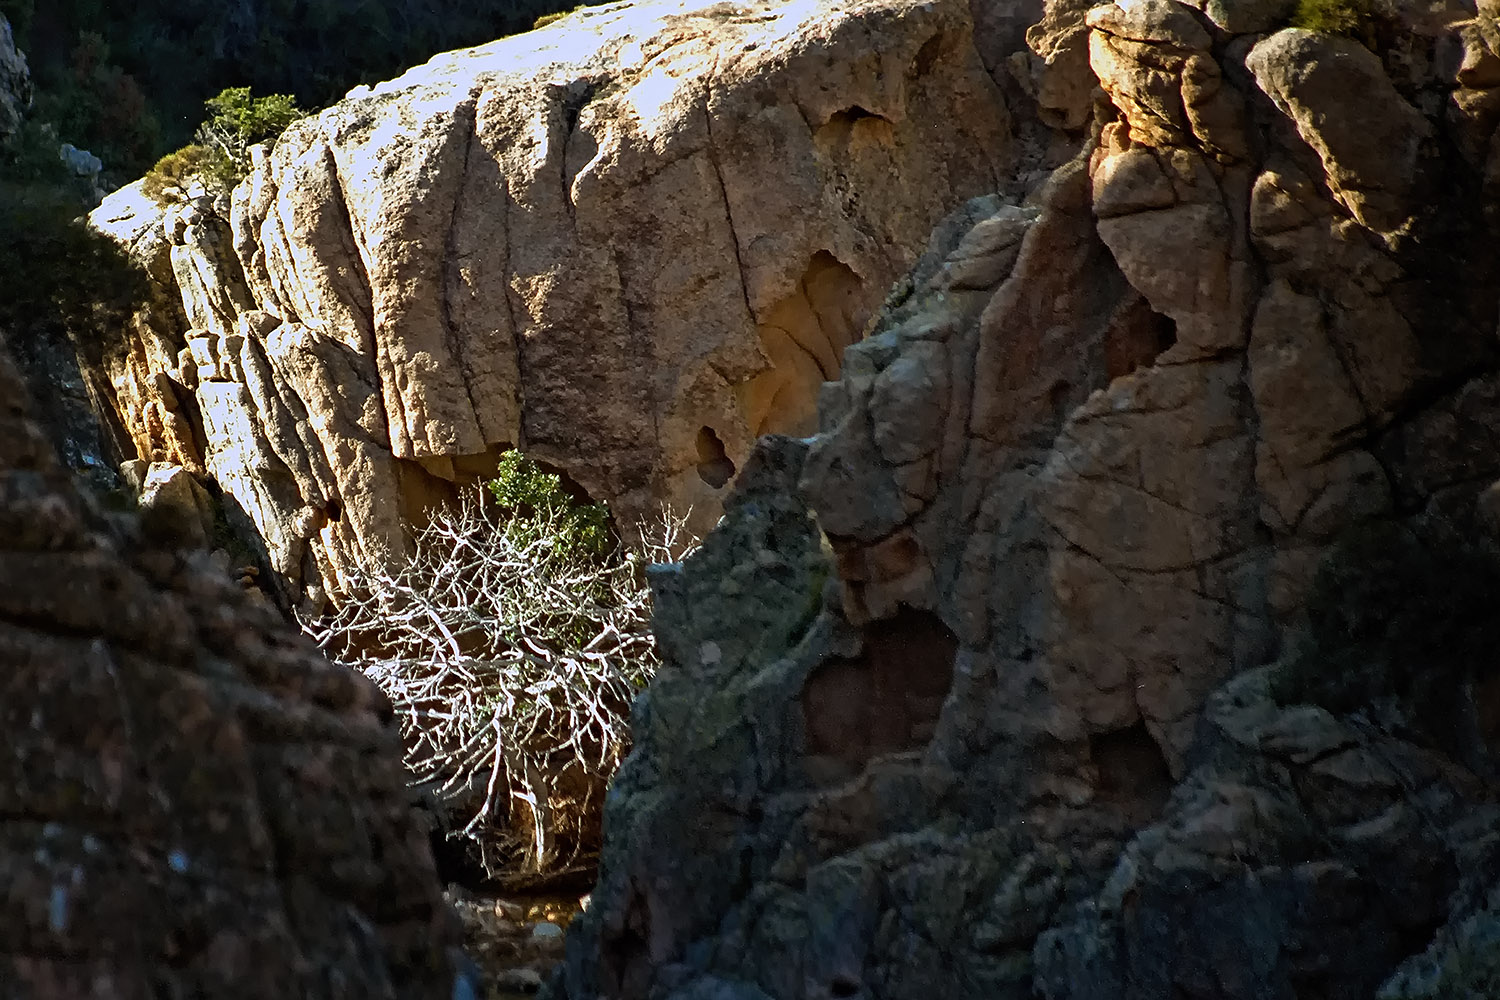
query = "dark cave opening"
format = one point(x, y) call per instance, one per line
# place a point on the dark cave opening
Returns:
point(886, 700)
point(1138, 336)
point(714, 465)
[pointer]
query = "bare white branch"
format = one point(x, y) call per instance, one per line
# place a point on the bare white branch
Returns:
point(512, 661)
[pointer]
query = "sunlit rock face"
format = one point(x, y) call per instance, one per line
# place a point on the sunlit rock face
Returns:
point(193, 801)
point(628, 242)
point(975, 692)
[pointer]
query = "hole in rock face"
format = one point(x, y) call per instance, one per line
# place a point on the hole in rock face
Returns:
point(335, 510)
point(848, 116)
point(803, 337)
point(842, 987)
point(714, 466)
point(1058, 398)
point(886, 700)
point(1137, 337)
point(1133, 774)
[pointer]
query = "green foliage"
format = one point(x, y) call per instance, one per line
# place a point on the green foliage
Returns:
point(239, 121)
point(537, 507)
point(1399, 622)
point(175, 173)
point(30, 156)
point(1354, 18)
point(556, 15)
point(220, 158)
point(98, 106)
point(56, 270)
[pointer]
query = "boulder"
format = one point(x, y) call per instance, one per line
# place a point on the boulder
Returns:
point(173, 501)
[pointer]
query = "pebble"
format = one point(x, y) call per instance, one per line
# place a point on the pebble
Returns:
point(547, 931)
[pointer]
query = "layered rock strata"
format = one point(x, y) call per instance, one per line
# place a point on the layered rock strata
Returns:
point(193, 801)
point(972, 694)
point(628, 243)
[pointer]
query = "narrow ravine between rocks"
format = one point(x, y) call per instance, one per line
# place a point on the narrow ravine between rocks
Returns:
point(1078, 427)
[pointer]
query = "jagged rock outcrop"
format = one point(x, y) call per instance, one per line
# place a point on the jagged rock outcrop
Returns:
point(629, 243)
point(996, 713)
point(193, 801)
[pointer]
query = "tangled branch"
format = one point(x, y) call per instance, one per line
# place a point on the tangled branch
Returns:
point(512, 657)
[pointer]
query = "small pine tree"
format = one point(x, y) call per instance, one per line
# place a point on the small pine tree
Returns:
point(219, 157)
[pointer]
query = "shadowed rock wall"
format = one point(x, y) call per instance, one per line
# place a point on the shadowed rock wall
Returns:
point(193, 802)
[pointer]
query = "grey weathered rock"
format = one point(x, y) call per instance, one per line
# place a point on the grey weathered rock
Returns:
point(15, 82)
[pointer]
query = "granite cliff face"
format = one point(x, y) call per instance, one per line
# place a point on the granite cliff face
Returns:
point(982, 690)
point(193, 801)
point(628, 243)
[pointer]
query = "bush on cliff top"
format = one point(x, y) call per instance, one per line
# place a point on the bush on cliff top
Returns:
point(219, 157)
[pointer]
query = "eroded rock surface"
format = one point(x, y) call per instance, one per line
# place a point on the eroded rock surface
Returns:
point(15, 82)
point(1064, 512)
point(629, 243)
point(193, 801)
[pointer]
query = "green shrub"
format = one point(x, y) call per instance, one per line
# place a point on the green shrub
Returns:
point(239, 121)
point(98, 106)
point(219, 157)
point(535, 506)
point(1402, 623)
point(174, 174)
point(1354, 18)
point(30, 156)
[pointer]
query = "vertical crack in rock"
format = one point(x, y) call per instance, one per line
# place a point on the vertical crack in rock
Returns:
point(376, 347)
point(467, 120)
point(713, 158)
